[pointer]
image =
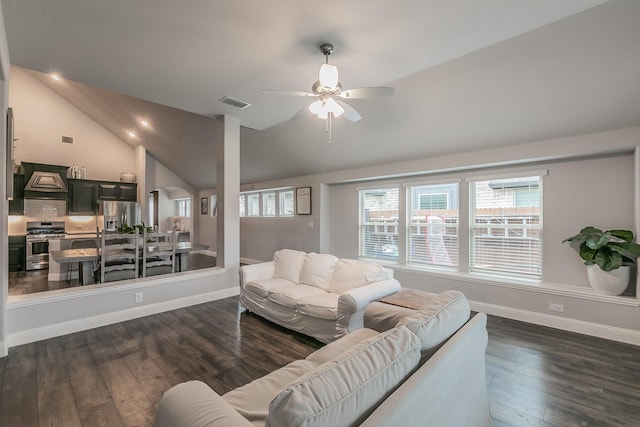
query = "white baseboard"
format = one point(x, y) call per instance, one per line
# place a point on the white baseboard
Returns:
point(51, 331)
point(249, 261)
point(614, 333)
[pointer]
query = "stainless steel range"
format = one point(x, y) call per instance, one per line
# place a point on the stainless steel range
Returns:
point(38, 235)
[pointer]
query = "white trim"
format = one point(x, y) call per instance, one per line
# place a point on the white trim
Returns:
point(614, 333)
point(571, 291)
point(507, 175)
point(395, 185)
point(50, 331)
point(431, 181)
point(4, 349)
point(250, 261)
point(65, 294)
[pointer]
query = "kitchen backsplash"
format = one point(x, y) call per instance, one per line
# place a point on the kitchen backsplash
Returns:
point(50, 210)
point(45, 210)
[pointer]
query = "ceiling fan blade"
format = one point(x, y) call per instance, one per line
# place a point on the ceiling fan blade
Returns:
point(367, 92)
point(288, 92)
point(350, 113)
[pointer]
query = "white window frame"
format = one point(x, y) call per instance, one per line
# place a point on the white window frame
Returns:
point(539, 227)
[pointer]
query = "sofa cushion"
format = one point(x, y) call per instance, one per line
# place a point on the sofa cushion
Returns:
point(289, 295)
point(252, 400)
point(318, 269)
point(288, 264)
point(352, 273)
point(323, 306)
point(334, 349)
point(344, 391)
point(263, 286)
point(438, 319)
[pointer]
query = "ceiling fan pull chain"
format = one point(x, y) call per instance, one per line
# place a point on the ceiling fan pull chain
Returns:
point(329, 127)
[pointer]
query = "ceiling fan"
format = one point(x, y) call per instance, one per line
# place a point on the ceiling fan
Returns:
point(329, 92)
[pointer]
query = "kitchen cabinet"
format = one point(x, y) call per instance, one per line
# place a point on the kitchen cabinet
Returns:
point(84, 194)
point(17, 253)
point(124, 192)
point(83, 197)
point(16, 206)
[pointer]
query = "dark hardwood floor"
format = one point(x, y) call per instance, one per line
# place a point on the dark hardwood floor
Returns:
point(29, 282)
point(115, 375)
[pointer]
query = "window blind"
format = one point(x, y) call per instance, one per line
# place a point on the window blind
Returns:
point(506, 226)
point(432, 234)
point(379, 213)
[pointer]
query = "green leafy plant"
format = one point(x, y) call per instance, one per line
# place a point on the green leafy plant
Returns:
point(608, 249)
point(131, 229)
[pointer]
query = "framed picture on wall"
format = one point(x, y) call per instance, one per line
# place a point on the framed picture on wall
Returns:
point(303, 201)
point(204, 205)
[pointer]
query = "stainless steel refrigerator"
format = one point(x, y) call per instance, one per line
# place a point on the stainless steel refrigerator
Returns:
point(117, 214)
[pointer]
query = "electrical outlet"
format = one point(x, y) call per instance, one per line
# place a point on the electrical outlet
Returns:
point(556, 307)
point(138, 297)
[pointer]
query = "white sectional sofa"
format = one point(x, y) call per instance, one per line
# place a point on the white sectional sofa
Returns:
point(423, 370)
point(316, 294)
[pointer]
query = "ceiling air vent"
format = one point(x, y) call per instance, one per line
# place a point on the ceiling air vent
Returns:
point(67, 139)
point(234, 102)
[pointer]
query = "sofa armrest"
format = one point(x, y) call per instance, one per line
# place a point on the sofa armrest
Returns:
point(357, 299)
point(194, 404)
point(251, 272)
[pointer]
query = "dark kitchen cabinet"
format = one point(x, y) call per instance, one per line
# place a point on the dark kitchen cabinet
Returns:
point(16, 206)
point(17, 253)
point(124, 192)
point(84, 194)
point(83, 197)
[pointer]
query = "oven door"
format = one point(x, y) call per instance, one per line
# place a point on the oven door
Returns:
point(37, 254)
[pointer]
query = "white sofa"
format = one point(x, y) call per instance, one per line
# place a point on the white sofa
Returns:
point(316, 294)
point(368, 377)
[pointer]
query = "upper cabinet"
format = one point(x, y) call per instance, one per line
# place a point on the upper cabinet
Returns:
point(84, 194)
point(126, 192)
point(83, 197)
point(16, 206)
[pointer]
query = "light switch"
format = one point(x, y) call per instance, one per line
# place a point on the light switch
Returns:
point(310, 224)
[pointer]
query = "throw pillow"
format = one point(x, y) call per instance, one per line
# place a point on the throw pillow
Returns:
point(318, 269)
point(288, 264)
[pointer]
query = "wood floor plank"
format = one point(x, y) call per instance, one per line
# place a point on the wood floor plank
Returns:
point(115, 375)
point(103, 415)
point(57, 407)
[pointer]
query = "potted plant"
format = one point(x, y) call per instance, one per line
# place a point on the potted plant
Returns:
point(607, 255)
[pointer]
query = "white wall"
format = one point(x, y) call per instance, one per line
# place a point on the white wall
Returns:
point(42, 117)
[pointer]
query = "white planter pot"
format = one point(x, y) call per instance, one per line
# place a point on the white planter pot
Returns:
point(612, 282)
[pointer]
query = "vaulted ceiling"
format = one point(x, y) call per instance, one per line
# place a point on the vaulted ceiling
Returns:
point(467, 74)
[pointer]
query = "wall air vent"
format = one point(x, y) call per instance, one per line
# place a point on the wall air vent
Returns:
point(234, 102)
point(67, 139)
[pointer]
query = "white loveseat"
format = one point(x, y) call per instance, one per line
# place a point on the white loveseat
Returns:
point(316, 294)
point(368, 377)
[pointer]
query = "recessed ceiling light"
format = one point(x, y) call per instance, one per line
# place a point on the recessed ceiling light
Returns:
point(55, 77)
point(132, 134)
point(144, 123)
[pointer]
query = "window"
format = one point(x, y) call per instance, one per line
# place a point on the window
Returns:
point(184, 207)
point(213, 209)
point(506, 226)
point(379, 213)
point(243, 199)
point(432, 235)
point(285, 203)
point(272, 202)
point(253, 204)
point(269, 204)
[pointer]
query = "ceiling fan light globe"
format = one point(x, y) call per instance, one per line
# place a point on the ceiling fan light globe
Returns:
point(316, 107)
point(333, 107)
point(328, 76)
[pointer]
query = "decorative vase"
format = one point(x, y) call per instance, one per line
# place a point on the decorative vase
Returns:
point(612, 282)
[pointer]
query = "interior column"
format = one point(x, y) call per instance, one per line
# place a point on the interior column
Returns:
point(228, 193)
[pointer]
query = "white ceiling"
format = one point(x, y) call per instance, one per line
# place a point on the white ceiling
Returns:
point(467, 74)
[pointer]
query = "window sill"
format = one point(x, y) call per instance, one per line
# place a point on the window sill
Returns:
point(572, 291)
